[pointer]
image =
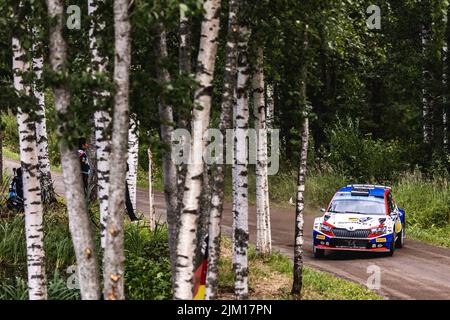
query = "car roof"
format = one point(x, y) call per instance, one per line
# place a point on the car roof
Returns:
point(365, 190)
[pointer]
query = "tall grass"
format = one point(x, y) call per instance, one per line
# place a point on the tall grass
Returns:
point(147, 265)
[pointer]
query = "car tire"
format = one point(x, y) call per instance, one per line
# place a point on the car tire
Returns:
point(318, 253)
point(400, 239)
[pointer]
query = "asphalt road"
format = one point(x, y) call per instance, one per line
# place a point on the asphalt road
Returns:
point(417, 271)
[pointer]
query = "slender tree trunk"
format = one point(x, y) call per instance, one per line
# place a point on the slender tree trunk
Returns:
point(241, 116)
point(92, 151)
point(133, 157)
point(37, 289)
point(445, 95)
point(79, 224)
point(185, 56)
point(169, 167)
point(263, 235)
point(102, 123)
point(300, 204)
point(426, 77)
point(45, 177)
point(270, 112)
point(217, 196)
point(152, 218)
point(200, 120)
point(113, 275)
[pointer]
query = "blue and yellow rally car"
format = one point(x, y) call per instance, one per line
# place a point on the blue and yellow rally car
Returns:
point(360, 217)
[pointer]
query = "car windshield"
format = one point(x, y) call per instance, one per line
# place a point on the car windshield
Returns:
point(358, 206)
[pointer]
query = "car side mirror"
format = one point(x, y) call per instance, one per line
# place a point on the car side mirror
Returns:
point(323, 210)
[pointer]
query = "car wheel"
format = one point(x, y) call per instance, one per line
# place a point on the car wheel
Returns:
point(401, 239)
point(318, 253)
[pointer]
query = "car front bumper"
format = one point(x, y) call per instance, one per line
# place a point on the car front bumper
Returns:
point(377, 244)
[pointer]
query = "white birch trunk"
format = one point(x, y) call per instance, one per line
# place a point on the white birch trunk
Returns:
point(241, 116)
point(187, 232)
point(263, 241)
point(270, 112)
point(217, 196)
point(152, 217)
point(102, 122)
point(79, 224)
point(133, 157)
point(113, 275)
point(445, 87)
point(165, 111)
point(426, 101)
point(34, 234)
point(45, 177)
point(300, 203)
point(300, 206)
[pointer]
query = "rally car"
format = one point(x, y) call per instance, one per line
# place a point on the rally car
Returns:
point(360, 218)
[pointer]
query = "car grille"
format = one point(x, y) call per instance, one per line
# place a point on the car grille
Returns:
point(344, 233)
point(348, 243)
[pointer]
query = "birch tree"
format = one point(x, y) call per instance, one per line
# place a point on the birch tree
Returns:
point(45, 177)
point(185, 64)
point(426, 74)
point(102, 123)
point(301, 180)
point(34, 234)
point(79, 224)
point(217, 196)
point(133, 157)
point(152, 216)
point(206, 59)
point(240, 197)
point(270, 112)
point(169, 167)
point(113, 275)
point(263, 234)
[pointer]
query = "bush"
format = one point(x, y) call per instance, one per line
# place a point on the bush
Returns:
point(426, 202)
point(147, 267)
point(361, 158)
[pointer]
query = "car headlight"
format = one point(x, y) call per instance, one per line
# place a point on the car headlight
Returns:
point(379, 230)
point(325, 228)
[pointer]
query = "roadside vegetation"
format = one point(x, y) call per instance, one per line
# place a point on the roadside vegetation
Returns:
point(147, 266)
point(353, 158)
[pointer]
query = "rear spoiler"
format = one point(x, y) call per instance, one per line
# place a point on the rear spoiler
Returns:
point(368, 186)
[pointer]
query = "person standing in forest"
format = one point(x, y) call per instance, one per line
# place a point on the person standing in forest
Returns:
point(84, 163)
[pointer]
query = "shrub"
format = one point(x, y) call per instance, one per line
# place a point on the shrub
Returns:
point(362, 158)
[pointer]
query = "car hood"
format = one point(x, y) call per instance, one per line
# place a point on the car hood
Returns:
point(354, 221)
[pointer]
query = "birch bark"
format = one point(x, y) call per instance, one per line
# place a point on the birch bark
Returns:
point(217, 196)
point(169, 167)
point(200, 119)
point(102, 123)
point(45, 177)
point(34, 234)
point(113, 274)
point(79, 224)
point(240, 199)
point(300, 203)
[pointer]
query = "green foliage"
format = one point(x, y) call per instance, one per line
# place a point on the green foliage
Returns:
point(426, 201)
point(147, 265)
point(147, 268)
point(361, 158)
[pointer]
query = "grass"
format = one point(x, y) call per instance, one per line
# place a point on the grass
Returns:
point(270, 277)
